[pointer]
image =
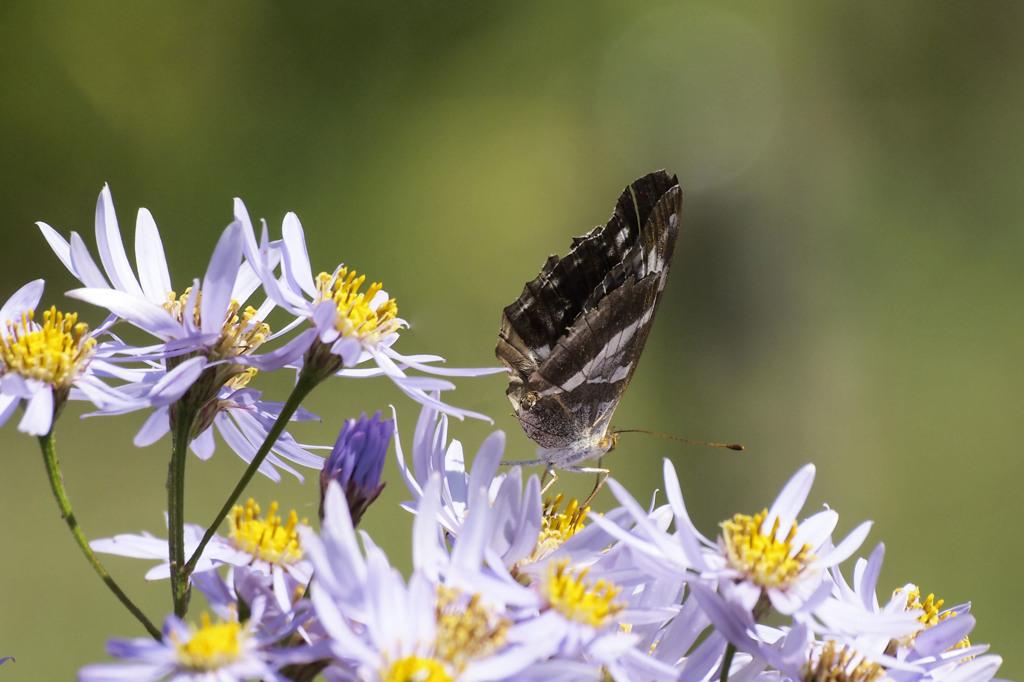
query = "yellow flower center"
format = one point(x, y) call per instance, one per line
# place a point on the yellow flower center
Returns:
point(466, 629)
point(55, 352)
point(557, 526)
point(841, 665)
point(211, 646)
point(265, 539)
point(932, 611)
point(578, 599)
point(241, 333)
point(415, 669)
point(765, 560)
point(355, 316)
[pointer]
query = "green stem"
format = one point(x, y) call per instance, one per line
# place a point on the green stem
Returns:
point(303, 386)
point(176, 510)
point(761, 609)
point(57, 485)
point(730, 651)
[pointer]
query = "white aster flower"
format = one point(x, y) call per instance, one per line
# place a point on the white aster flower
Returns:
point(265, 543)
point(47, 363)
point(221, 651)
point(207, 336)
point(516, 513)
point(451, 620)
point(766, 555)
point(349, 326)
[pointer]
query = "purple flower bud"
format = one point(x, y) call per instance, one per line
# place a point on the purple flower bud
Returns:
point(357, 462)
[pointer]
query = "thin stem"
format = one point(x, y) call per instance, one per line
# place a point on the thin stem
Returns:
point(303, 386)
point(176, 510)
point(730, 651)
point(47, 444)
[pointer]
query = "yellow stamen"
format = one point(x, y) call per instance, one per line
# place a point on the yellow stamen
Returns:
point(579, 599)
point(211, 646)
point(933, 614)
point(355, 316)
point(415, 669)
point(765, 560)
point(466, 629)
point(841, 665)
point(265, 539)
point(55, 352)
point(241, 334)
point(557, 526)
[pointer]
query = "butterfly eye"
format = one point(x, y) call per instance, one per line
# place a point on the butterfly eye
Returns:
point(529, 400)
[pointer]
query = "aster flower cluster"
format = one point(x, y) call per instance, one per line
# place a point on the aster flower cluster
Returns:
point(509, 581)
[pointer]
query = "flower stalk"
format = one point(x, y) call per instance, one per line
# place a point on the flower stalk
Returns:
point(48, 446)
point(305, 383)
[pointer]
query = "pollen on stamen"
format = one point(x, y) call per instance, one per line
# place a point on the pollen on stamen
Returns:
point(356, 317)
point(932, 611)
point(241, 332)
point(212, 645)
point(579, 599)
point(416, 669)
point(55, 352)
point(842, 664)
point(265, 539)
point(557, 526)
point(765, 560)
point(466, 629)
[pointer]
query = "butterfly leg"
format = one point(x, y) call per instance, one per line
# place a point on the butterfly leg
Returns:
point(602, 476)
point(550, 471)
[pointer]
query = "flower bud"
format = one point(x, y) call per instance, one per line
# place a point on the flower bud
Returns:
point(357, 462)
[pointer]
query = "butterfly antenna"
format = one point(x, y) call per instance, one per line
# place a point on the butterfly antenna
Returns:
point(731, 446)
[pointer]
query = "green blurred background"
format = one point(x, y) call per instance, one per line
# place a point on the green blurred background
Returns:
point(846, 290)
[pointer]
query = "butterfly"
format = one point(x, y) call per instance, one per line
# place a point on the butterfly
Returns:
point(572, 340)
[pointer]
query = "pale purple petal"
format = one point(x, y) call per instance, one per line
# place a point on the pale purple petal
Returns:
point(791, 500)
point(487, 460)
point(84, 267)
point(815, 529)
point(149, 256)
point(58, 244)
point(38, 417)
point(220, 279)
point(850, 544)
point(288, 353)
point(868, 580)
point(203, 445)
point(156, 425)
point(8, 403)
point(980, 669)
point(173, 385)
point(147, 316)
point(686, 532)
point(427, 553)
point(111, 248)
point(21, 301)
point(295, 257)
